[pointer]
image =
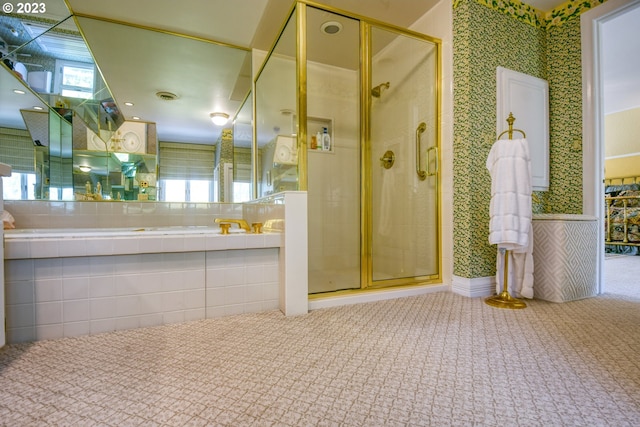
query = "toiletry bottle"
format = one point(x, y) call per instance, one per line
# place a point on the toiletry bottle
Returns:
point(98, 188)
point(87, 187)
point(314, 142)
point(319, 140)
point(326, 139)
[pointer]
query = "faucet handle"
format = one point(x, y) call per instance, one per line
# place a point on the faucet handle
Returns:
point(257, 227)
point(224, 227)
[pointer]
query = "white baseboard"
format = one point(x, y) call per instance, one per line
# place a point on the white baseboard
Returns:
point(474, 287)
point(369, 296)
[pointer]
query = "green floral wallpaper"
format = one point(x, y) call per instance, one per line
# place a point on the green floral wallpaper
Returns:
point(488, 34)
point(483, 40)
point(564, 64)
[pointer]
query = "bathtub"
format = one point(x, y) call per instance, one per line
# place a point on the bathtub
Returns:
point(49, 233)
point(70, 282)
point(64, 282)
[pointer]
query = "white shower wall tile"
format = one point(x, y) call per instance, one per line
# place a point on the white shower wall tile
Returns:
point(173, 317)
point(155, 319)
point(102, 308)
point(75, 311)
point(19, 292)
point(76, 329)
point(50, 268)
point(71, 247)
point(18, 250)
point(194, 314)
point(47, 313)
point(49, 332)
point(75, 288)
point(46, 249)
point(103, 325)
point(46, 290)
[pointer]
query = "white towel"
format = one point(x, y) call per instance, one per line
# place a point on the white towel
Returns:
point(510, 226)
point(510, 209)
point(520, 275)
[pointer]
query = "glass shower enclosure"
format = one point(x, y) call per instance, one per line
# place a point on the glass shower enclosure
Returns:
point(347, 109)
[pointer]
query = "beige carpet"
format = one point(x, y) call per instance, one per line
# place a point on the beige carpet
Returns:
point(434, 360)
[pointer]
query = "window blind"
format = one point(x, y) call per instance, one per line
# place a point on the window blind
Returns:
point(242, 164)
point(17, 150)
point(186, 161)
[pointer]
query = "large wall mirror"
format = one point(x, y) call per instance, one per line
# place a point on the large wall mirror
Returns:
point(110, 111)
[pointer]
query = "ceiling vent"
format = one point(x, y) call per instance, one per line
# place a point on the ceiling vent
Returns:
point(331, 27)
point(166, 96)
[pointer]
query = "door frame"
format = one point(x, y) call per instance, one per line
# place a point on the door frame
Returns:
point(593, 116)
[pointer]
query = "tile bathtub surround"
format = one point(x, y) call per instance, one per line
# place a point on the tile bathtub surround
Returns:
point(57, 307)
point(61, 297)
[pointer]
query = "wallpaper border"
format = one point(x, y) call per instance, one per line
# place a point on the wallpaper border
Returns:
point(532, 16)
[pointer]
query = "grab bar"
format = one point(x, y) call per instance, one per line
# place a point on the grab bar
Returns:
point(421, 128)
point(429, 150)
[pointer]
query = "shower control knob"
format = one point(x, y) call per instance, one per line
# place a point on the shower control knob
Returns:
point(388, 159)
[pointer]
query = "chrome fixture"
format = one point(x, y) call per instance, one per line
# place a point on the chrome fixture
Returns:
point(377, 91)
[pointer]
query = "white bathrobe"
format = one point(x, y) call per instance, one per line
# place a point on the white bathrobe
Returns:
point(510, 227)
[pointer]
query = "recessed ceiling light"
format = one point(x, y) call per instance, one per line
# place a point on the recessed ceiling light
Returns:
point(331, 27)
point(135, 118)
point(128, 104)
point(37, 107)
point(19, 92)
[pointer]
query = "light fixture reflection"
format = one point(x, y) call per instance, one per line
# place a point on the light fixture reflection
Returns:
point(85, 169)
point(219, 119)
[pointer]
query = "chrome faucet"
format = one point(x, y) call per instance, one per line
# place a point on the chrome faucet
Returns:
point(241, 223)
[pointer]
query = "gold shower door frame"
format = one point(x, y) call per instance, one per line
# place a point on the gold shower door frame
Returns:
point(368, 158)
point(395, 251)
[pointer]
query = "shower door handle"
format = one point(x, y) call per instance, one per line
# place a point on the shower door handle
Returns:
point(421, 128)
point(437, 168)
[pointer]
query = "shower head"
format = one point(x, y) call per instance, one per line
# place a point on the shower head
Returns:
point(377, 91)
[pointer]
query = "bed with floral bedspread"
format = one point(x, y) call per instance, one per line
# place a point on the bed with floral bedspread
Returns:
point(622, 216)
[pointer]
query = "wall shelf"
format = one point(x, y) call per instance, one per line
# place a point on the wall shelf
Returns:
point(315, 125)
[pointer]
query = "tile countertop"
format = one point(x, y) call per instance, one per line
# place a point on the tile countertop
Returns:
point(61, 243)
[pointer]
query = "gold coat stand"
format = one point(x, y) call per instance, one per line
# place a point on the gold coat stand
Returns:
point(504, 299)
